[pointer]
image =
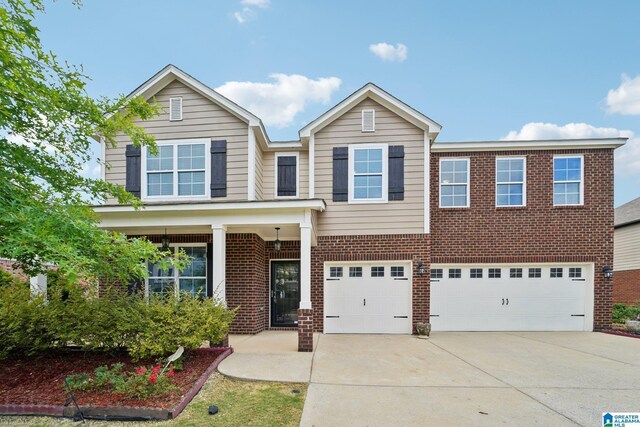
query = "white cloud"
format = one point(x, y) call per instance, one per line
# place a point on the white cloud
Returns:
point(626, 98)
point(627, 158)
point(278, 103)
point(389, 52)
point(257, 3)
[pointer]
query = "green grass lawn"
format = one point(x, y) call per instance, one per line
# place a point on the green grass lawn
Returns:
point(240, 403)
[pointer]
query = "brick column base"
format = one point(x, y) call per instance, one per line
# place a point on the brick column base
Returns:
point(305, 329)
point(224, 343)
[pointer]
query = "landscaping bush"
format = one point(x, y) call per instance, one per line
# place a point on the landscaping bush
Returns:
point(8, 279)
point(153, 328)
point(623, 312)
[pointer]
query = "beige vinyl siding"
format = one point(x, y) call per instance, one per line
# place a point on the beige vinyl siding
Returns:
point(626, 248)
point(394, 217)
point(201, 119)
point(269, 183)
point(259, 173)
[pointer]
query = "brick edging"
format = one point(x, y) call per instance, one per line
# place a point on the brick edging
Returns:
point(131, 411)
point(620, 333)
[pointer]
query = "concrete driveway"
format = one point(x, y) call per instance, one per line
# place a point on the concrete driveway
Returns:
point(549, 379)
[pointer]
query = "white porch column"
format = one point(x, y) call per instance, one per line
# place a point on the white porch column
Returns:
point(38, 285)
point(219, 261)
point(305, 265)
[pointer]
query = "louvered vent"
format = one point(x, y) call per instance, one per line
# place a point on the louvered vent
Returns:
point(175, 108)
point(368, 120)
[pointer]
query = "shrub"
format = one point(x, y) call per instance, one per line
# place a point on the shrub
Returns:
point(8, 279)
point(623, 312)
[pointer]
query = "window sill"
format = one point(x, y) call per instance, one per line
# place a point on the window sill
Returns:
point(367, 202)
point(511, 207)
point(455, 208)
point(568, 207)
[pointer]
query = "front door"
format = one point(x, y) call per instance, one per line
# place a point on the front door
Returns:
point(285, 293)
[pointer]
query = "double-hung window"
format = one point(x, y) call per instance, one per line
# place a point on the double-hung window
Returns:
point(454, 183)
point(510, 181)
point(568, 180)
point(368, 165)
point(179, 169)
point(192, 280)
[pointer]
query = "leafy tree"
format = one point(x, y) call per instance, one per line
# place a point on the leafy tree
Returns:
point(47, 120)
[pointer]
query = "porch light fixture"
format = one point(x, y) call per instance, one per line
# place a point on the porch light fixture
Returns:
point(420, 268)
point(607, 271)
point(277, 244)
point(165, 242)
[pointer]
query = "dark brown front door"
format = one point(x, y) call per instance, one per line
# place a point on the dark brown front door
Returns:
point(285, 293)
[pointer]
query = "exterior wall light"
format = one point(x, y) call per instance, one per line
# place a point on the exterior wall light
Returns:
point(277, 244)
point(420, 268)
point(165, 242)
point(607, 271)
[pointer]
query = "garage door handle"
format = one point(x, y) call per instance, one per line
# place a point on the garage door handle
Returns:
point(578, 280)
point(401, 278)
point(400, 317)
point(577, 315)
point(332, 317)
point(434, 315)
point(332, 279)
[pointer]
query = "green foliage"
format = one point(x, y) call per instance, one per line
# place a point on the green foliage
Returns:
point(7, 279)
point(47, 121)
point(140, 384)
point(622, 312)
point(155, 328)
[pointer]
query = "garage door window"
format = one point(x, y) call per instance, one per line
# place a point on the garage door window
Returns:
point(335, 272)
point(556, 272)
point(455, 273)
point(377, 271)
point(575, 272)
point(436, 273)
point(535, 273)
point(476, 273)
point(495, 273)
point(515, 273)
point(397, 271)
point(355, 271)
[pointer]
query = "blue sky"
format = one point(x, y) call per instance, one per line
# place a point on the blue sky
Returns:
point(485, 70)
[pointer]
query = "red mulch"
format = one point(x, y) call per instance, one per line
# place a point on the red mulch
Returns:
point(39, 380)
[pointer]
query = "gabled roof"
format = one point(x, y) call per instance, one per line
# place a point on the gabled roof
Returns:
point(387, 100)
point(170, 73)
point(627, 214)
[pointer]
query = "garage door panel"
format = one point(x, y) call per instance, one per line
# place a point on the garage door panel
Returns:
point(513, 302)
point(372, 303)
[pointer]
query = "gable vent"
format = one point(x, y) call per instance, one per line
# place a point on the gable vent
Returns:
point(368, 120)
point(175, 108)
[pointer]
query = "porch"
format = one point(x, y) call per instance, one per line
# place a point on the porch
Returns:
point(262, 272)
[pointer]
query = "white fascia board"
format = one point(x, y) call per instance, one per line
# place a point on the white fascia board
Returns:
point(543, 144)
point(374, 92)
point(314, 204)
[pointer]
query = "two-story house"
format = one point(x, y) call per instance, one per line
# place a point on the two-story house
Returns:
point(366, 224)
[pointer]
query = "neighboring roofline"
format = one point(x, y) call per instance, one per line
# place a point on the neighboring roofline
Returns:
point(625, 224)
point(166, 75)
point(314, 204)
point(379, 95)
point(520, 145)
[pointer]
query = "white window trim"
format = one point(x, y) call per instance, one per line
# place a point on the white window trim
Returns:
point(385, 173)
point(367, 110)
point(175, 143)
point(171, 101)
point(176, 276)
point(275, 184)
point(468, 182)
point(524, 181)
point(568, 156)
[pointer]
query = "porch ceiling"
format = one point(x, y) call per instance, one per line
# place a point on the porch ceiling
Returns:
point(266, 232)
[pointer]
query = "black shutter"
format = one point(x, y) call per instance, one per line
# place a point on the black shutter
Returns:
point(209, 270)
point(340, 174)
point(133, 169)
point(286, 176)
point(218, 168)
point(396, 172)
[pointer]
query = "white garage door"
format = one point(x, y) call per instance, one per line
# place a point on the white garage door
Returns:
point(372, 297)
point(511, 298)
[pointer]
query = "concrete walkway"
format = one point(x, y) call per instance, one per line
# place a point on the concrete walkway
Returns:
point(535, 378)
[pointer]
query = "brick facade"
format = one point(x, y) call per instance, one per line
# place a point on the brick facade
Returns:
point(390, 247)
point(626, 287)
point(7, 265)
point(538, 232)
point(305, 329)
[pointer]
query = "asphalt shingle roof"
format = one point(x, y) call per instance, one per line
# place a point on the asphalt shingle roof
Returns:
point(627, 213)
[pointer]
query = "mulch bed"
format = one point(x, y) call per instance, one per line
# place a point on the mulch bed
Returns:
point(39, 380)
point(621, 333)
